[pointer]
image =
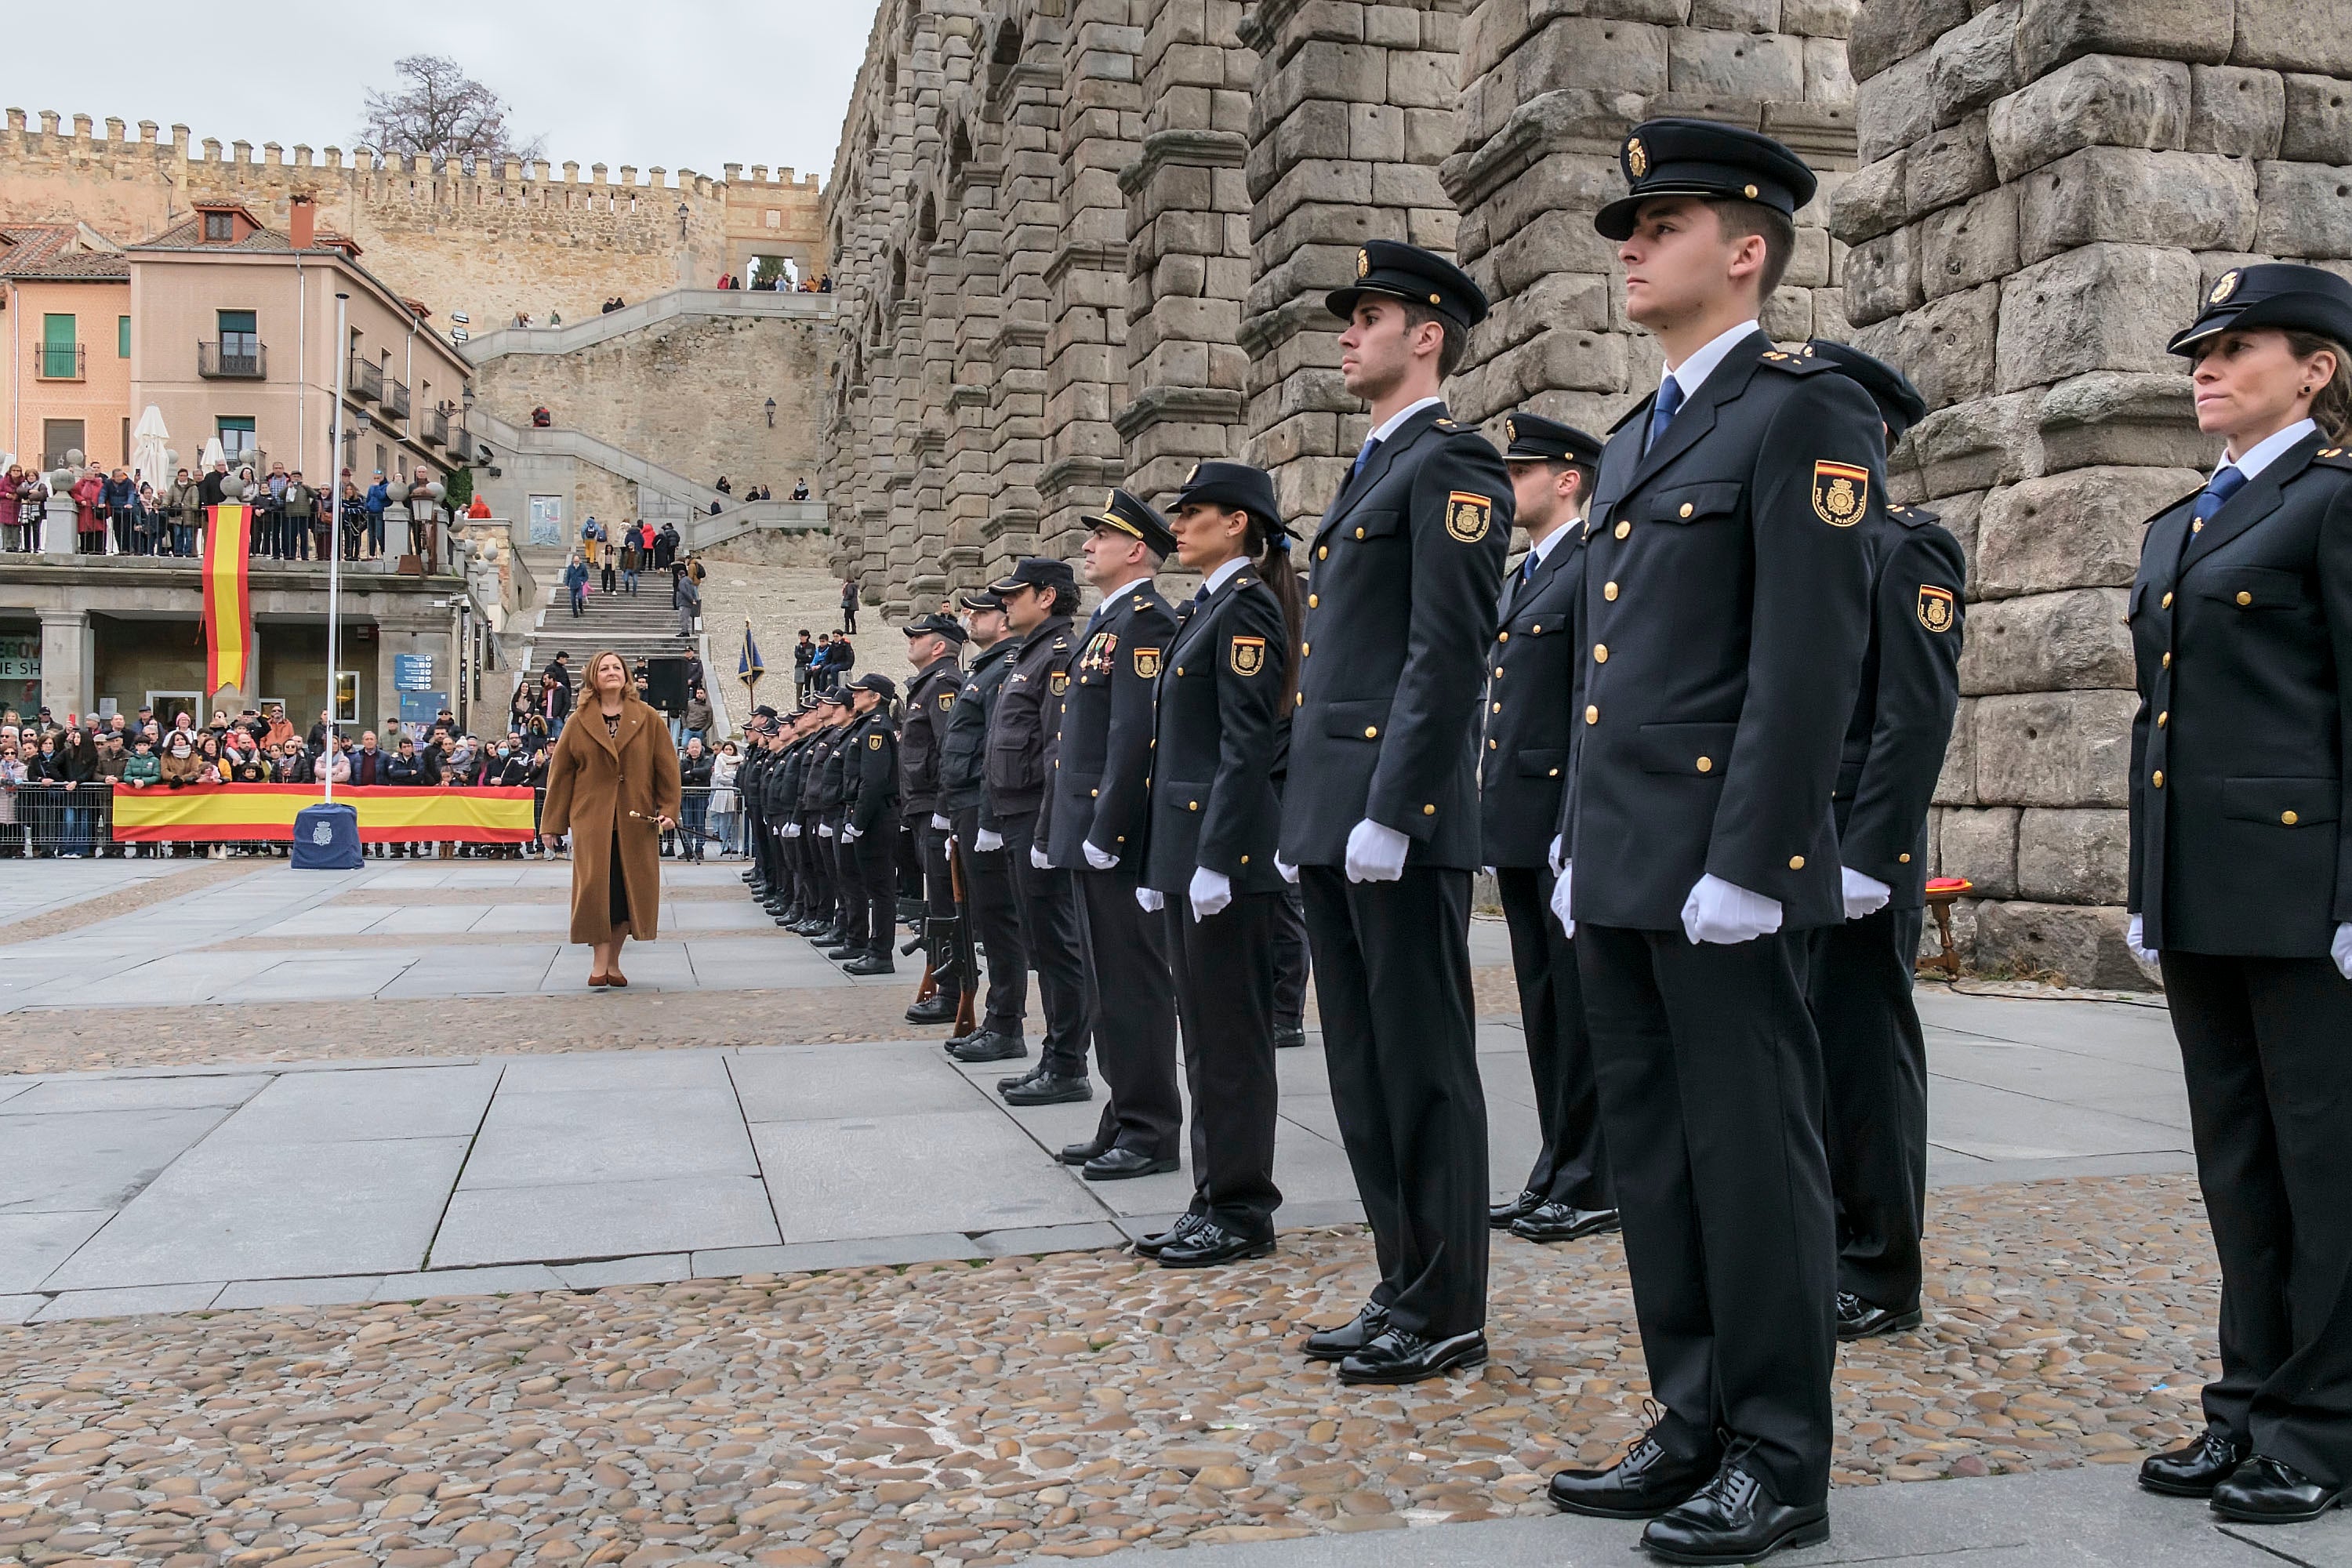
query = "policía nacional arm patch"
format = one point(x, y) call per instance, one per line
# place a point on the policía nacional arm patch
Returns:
point(1934, 608)
point(1247, 655)
point(1147, 663)
point(1467, 516)
point(947, 701)
point(1841, 493)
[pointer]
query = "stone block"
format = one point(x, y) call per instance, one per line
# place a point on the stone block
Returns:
point(1975, 444)
point(2292, 35)
point(2046, 642)
point(2236, 110)
point(1892, 109)
point(1493, 32)
point(1735, 65)
point(1951, 165)
point(2092, 309)
point(1819, 18)
point(2195, 200)
point(2306, 210)
point(1981, 845)
point(2318, 120)
point(1789, 315)
point(1945, 346)
point(2052, 32)
point(1869, 200)
point(1885, 31)
point(1881, 277)
point(1974, 63)
point(1965, 246)
point(2071, 530)
point(1737, 15)
point(2128, 419)
point(1664, 13)
point(1957, 785)
point(1808, 260)
point(1828, 81)
point(2055, 748)
point(2068, 944)
point(2099, 100)
point(2072, 857)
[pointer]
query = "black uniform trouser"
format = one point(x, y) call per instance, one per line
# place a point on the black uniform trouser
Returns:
point(1135, 1014)
point(817, 856)
point(1224, 970)
point(995, 913)
point(1710, 1080)
point(1874, 1129)
point(848, 888)
point(2266, 1045)
point(1054, 921)
point(1573, 1167)
point(877, 854)
point(940, 913)
point(1392, 983)
point(1288, 934)
point(762, 869)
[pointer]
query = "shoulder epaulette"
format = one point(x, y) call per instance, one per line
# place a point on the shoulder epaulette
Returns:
point(2334, 457)
point(1912, 516)
point(1792, 364)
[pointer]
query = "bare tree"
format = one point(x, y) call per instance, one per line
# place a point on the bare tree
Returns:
point(443, 114)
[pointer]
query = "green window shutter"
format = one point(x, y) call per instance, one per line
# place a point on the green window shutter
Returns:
point(57, 331)
point(122, 337)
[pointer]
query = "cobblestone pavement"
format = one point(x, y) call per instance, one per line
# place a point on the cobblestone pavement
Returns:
point(1062, 1405)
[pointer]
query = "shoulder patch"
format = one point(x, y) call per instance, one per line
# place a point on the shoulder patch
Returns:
point(1248, 655)
point(1841, 493)
point(1467, 515)
point(1147, 663)
point(873, 742)
point(1936, 611)
point(1060, 682)
point(947, 701)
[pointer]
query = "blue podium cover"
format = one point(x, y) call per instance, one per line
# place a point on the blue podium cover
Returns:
point(326, 838)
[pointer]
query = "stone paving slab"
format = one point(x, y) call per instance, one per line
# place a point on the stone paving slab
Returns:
point(605, 1219)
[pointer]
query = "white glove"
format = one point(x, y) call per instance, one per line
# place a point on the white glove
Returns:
point(1375, 854)
point(1151, 900)
point(2136, 936)
point(987, 841)
point(1559, 895)
point(1557, 854)
point(848, 834)
point(1722, 912)
point(791, 830)
point(1864, 895)
point(1211, 891)
point(824, 830)
point(1037, 859)
point(1098, 860)
point(940, 824)
point(2341, 950)
point(1285, 871)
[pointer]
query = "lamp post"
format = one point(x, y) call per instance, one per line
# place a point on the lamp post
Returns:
point(772, 414)
point(335, 547)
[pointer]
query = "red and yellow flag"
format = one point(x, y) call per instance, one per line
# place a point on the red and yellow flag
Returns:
point(388, 814)
point(228, 599)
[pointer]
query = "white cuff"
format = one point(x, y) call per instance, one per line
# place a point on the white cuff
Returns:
point(1721, 911)
point(1375, 854)
point(1864, 895)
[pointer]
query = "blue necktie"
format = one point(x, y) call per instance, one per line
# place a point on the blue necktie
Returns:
point(1362, 457)
point(2225, 484)
point(1527, 569)
point(1661, 413)
point(1202, 595)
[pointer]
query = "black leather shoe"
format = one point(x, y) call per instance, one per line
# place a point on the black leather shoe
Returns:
point(1401, 1356)
point(1858, 1320)
point(1079, 1153)
point(1051, 1089)
point(1644, 1484)
point(1500, 1215)
point(2196, 1468)
point(940, 1009)
point(1210, 1244)
point(1562, 1222)
point(1119, 1165)
point(1152, 1246)
point(842, 953)
point(811, 927)
point(2264, 1490)
point(988, 1046)
point(1021, 1078)
point(1733, 1518)
point(1339, 1344)
point(870, 964)
point(1289, 1039)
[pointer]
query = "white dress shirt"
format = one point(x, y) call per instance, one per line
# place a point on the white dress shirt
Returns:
point(1693, 372)
point(2266, 451)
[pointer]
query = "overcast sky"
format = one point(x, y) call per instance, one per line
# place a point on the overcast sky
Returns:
point(687, 84)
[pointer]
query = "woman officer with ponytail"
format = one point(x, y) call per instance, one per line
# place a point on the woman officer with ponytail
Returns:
point(2241, 874)
point(1227, 681)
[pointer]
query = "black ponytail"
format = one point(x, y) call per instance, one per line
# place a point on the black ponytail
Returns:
point(1269, 552)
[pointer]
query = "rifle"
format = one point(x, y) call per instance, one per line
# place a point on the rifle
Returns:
point(967, 1017)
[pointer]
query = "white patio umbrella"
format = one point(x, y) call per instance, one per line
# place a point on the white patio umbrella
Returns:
point(151, 447)
point(213, 452)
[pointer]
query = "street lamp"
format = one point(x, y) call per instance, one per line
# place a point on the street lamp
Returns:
point(683, 214)
point(772, 414)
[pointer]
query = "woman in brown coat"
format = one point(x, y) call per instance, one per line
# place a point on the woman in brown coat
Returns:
point(612, 784)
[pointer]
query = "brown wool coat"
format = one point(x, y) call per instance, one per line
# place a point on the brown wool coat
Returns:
point(593, 779)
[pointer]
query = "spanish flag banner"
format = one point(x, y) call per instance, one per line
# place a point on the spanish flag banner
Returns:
point(389, 813)
point(228, 600)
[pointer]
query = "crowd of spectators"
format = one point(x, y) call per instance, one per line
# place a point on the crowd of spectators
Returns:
point(822, 664)
point(120, 512)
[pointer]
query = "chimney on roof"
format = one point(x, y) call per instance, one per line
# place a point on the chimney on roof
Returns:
point(303, 225)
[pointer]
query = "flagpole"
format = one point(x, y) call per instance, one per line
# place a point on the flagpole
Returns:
point(335, 542)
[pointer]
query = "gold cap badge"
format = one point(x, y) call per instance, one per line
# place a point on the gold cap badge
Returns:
point(2223, 287)
point(1637, 157)
point(1363, 262)
point(1510, 429)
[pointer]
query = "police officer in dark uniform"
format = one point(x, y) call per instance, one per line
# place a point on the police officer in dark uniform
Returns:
point(991, 915)
point(1522, 770)
point(1726, 610)
point(1221, 724)
point(1091, 824)
point(934, 644)
point(816, 834)
point(1038, 598)
point(1381, 815)
point(780, 787)
point(1874, 1056)
point(2241, 881)
point(869, 823)
point(767, 889)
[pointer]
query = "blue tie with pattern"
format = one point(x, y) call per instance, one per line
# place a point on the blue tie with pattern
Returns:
point(1661, 413)
point(2225, 484)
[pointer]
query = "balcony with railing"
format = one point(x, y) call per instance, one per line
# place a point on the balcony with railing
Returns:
point(461, 445)
point(395, 397)
point(63, 361)
point(367, 380)
point(434, 428)
point(231, 359)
